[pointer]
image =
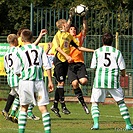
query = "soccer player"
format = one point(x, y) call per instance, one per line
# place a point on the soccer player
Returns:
point(12, 79)
point(12, 95)
point(77, 74)
point(29, 62)
point(107, 62)
point(61, 42)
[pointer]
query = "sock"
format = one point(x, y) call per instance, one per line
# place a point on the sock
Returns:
point(56, 100)
point(79, 95)
point(22, 119)
point(15, 106)
point(46, 122)
point(95, 113)
point(9, 102)
point(61, 96)
point(124, 112)
point(29, 111)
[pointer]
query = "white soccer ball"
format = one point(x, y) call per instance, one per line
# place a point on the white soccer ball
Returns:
point(80, 10)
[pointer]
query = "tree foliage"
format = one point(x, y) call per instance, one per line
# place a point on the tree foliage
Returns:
point(16, 13)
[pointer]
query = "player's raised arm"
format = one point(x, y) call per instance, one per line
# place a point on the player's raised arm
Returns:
point(43, 32)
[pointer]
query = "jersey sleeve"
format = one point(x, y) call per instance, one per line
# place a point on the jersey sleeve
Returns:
point(46, 62)
point(121, 62)
point(17, 65)
point(93, 61)
point(5, 65)
point(56, 41)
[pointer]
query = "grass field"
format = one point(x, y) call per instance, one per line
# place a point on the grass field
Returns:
point(77, 122)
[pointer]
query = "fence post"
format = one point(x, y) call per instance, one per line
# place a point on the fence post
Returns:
point(117, 40)
point(32, 18)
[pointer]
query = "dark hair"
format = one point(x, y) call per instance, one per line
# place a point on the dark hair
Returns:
point(107, 38)
point(72, 25)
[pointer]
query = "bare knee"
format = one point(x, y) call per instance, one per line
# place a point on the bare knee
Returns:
point(75, 84)
point(43, 109)
point(83, 81)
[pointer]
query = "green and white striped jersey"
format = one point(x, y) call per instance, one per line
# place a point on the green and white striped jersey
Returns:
point(9, 62)
point(30, 62)
point(108, 62)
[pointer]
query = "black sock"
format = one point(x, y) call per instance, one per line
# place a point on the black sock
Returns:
point(9, 102)
point(61, 97)
point(56, 100)
point(79, 95)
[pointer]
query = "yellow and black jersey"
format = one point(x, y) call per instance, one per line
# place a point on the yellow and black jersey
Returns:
point(20, 43)
point(63, 40)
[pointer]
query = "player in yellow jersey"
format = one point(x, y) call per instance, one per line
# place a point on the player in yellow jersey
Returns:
point(62, 42)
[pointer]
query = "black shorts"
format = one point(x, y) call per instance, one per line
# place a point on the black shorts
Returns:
point(60, 70)
point(76, 71)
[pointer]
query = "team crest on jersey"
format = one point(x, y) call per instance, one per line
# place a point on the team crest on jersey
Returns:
point(66, 44)
point(61, 77)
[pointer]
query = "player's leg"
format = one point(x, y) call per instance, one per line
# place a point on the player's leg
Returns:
point(14, 114)
point(97, 96)
point(45, 118)
point(30, 114)
point(26, 96)
point(9, 102)
point(76, 74)
point(60, 72)
point(22, 118)
point(117, 94)
point(95, 115)
point(42, 104)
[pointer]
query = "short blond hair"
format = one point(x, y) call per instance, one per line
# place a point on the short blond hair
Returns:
point(60, 23)
point(11, 38)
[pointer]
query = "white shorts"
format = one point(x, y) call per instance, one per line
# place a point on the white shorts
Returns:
point(33, 92)
point(99, 95)
point(14, 91)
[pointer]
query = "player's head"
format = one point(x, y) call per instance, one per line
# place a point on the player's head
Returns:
point(107, 38)
point(19, 31)
point(26, 36)
point(12, 40)
point(73, 30)
point(62, 24)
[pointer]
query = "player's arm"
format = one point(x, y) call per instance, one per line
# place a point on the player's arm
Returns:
point(71, 14)
point(85, 27)
point(75, 44)
point(68, 58)
point(48, 66)
point(43, 32)
point(17, 65)
point(50, 83)
point(48, 47)
point(83, 49)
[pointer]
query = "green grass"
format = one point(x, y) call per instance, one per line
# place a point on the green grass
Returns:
point(77, 122)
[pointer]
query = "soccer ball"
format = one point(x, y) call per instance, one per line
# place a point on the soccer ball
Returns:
point(80, 10)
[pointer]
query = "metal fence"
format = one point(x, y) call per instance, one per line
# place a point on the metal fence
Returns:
point(94, 41)
point(98, 21)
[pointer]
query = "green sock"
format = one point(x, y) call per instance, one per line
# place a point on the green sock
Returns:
point(95, 113)
point(124, 113)
point(46, 122)
point(15, 106)
point(22, 119)
point(30, 108)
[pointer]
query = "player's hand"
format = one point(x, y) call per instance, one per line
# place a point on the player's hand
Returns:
point(43, 32)
point(69, 59)
point(71, 12)
point(51, 87)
